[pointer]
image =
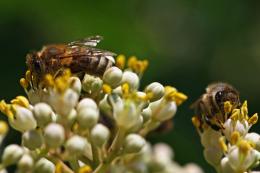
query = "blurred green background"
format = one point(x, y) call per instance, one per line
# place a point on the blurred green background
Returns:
point(189, 44)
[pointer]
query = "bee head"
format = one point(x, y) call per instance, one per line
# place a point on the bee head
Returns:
point(34, 63)
point(227, 93)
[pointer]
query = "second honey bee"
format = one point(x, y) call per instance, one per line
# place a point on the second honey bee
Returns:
point(210, 106)
point(79, 56)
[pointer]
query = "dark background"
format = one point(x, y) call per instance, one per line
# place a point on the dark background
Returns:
point(189, 44)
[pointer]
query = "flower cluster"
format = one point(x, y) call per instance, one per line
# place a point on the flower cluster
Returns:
point(90, 124)
point(232, 149)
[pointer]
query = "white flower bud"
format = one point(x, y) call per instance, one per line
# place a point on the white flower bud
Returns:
point(192, 168)
point(64, 103)
point(230, 126)
point(163, 110)
point(163, 154)
point(44, 166)
point(54, 135)
point(131, 78)
point(113, 76)
point(26, 163)
point(43, 114)
point(72, 117)
point(23, 120)
point(100, 135)
point(76, 145)
point(147, 114)
point(254, 138)
point(156, 89)
point(133, 143)
point(3, 171)
point(91, 83)
point(87, 118)
point(32, 139)
point(225, 166)
point(87, 103)
point(75, 84)
point(12, 154)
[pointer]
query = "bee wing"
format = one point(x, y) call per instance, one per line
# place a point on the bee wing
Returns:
point(88, 41)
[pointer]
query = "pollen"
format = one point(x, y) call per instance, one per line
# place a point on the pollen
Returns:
point(59, 168)
point(120, 61)
point(235, 114)
point(234, 137)
point(227, 107)
point(48, 80)
point(244, 110)
point(61, 84)
point(107, 89)
point(24, 83)
point(85, 169)
point(195, 121)
point(3, 128)
point(171, 94)
point(244, 146)
point(125, 89)
point(223, 144)
point(28, 75)
point(253, 119)
point(7, 109)
point(138, 66)
point(21, 101)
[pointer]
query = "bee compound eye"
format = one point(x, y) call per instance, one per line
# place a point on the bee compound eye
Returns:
point(219, 96)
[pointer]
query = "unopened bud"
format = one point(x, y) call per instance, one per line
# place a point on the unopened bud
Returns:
point(156, 89)
point(32, 139)
point(133, 143)
point(131, 78)
point(44, 165)
point(87, 118)
point(113, 76)
point(100, 135)
point(43, 114)
point(75, 84)
point(91, 83)
point(54, 135)
point(23, 120)
point(12, 154)
point(163, 110)
point(26, 163)
point(86, 103)
point(76, 145)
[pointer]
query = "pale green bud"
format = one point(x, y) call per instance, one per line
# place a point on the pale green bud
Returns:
point(43, 114)
point(131, 78)
point(32, 139)
point(44, 166)
point(91, 83)
point(104, 106)
point(54, 135)
point(100, 135)
point(23, 119)
point(146, 114)
point(12, 154)
point(87, 117)
point(76, 145)
point(87, 103)
point(26, 163)
point(113, 76)
point(75, 84)
point(156, 89)
point(133, 143)
point(163, 110)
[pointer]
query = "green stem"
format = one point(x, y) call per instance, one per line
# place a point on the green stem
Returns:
point(113, 152)
point(149, 126)
point(74, 165)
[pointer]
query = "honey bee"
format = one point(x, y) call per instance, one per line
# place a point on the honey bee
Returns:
point(210, 106)
point(79, 56)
